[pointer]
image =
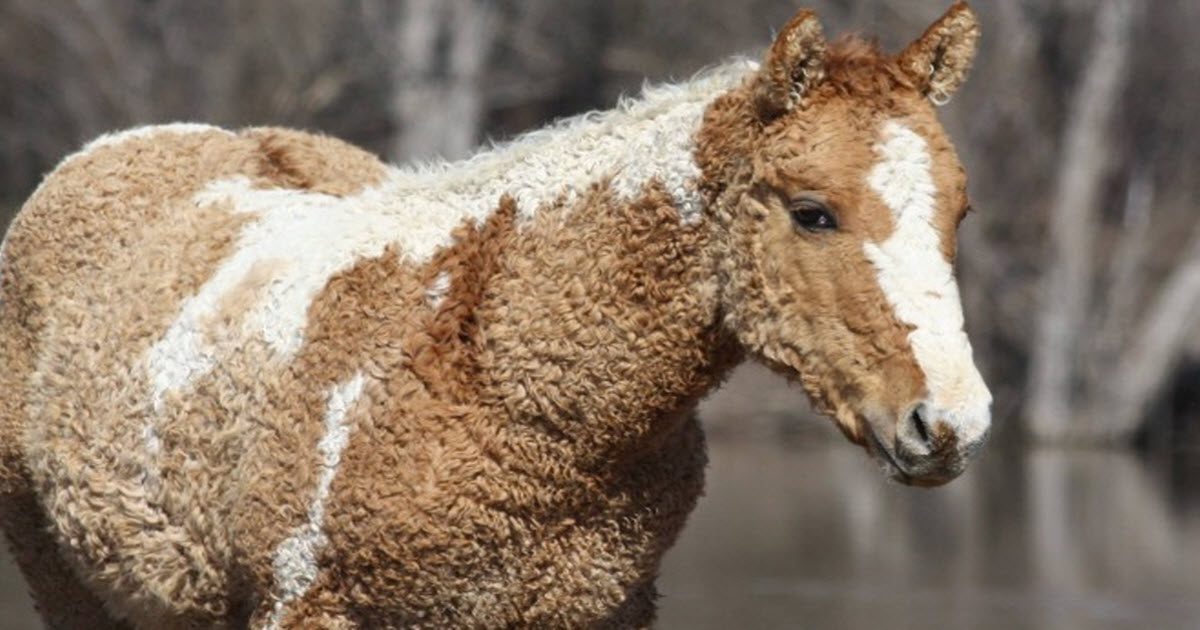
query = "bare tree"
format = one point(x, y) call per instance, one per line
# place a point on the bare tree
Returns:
point(1067, 283)
point(1106, 343)
point(442, 49)
point(1122, 396)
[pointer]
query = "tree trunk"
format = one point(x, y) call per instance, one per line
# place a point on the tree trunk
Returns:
point(1067, 282)
point(437, 101)
point(1154, 349)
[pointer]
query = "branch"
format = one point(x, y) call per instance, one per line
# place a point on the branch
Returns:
point(1156, 348)
point(1125, 279)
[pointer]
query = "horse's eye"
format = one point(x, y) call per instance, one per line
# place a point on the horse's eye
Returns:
point(812, 215)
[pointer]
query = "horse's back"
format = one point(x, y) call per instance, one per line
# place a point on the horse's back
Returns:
point(97, 268)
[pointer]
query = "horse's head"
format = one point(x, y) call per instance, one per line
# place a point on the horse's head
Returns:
point(841, 195)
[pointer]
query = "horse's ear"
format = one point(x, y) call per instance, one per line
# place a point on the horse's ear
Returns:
point(940, 59)
point(794, 64)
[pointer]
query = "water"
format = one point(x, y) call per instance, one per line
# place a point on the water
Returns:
point(812, 536)
point(16, 611)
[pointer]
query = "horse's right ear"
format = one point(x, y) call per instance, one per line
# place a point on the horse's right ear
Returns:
point(939, 60)
point(794, 64)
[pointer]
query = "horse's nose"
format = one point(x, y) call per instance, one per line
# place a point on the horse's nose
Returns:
point(934, 445)
point(914, 435)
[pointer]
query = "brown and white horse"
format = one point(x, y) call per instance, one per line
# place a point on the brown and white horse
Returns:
point(260, 378)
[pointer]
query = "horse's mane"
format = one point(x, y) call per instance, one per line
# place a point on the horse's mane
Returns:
point(857, 66)
point(629, 112)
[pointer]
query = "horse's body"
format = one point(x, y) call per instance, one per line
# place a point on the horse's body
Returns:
point(260, 377)
point(270, 347)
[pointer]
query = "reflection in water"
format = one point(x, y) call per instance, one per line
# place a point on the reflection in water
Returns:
point(815, 538)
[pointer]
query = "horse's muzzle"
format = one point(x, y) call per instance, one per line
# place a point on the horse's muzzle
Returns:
point(932, 446)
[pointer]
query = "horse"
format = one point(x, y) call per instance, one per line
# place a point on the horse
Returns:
point(259, 378)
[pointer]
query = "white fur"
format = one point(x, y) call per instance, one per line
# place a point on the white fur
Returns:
point(304, 238)
point(641, 139)
point(295, 560)
point(308, 237)
point(152, 448)
point(919, 283)
point(437, 290)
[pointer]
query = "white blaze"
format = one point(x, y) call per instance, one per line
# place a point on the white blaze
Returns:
point(295, 560)
point(438, 289)
point(919, 282)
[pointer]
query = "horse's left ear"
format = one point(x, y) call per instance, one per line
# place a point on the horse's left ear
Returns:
point(940, 59)
point(793, 65)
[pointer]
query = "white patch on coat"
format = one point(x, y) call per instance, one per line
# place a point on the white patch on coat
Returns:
point(306, 238)
point(152, 448)
point(919, 282)
point(438, 289)
point(309, 236)
point(295, 560)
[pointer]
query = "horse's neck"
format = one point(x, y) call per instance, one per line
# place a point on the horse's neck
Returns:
point(595, 283)
point(602, 323)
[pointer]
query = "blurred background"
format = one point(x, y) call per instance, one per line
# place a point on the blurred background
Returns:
point(1080, 270)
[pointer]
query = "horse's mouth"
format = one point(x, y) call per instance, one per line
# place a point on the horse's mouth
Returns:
point(885, 458)
point(919, 476)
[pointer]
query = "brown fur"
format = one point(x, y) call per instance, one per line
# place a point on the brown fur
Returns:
point(556, 491)
point(127, 234)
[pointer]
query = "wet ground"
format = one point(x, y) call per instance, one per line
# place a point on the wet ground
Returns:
point(811, 536)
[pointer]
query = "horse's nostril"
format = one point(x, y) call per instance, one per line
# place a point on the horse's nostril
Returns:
point(917, 419)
